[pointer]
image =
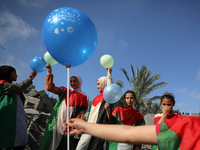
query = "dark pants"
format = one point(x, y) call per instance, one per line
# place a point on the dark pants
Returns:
point(16, 148)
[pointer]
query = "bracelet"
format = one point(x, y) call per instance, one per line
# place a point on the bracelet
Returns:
point(31, 77)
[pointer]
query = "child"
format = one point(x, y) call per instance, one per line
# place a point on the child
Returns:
point(13, 128)
point(54, 137)
point(167, 103)
point(178, 133)
point(127, 116)
point(97, 114)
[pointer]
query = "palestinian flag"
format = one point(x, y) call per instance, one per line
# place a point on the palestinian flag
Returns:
point(169, 116)
point(179, 134)
point(54, 129)
point(13, 128)
point(157, 119)
point(97, 114)
point(125, 116)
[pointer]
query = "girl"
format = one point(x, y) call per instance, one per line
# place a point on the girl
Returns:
point(97, 114)
point(13, 128)
point(167, 103)
point(173, 134)
point(127, 116)
point(54, 138)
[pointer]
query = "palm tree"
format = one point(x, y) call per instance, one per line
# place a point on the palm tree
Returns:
point(1, 47)
point(142, 84)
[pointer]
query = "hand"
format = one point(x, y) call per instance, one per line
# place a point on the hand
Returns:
point(166, 110)
point(76, 126)
point(48, 68)
point(107, 106)
point(33, 74)
point(109, 71)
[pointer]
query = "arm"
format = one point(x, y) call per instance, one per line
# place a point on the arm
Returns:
point(115, 133)
point(109, 77)
point(19, 87)
point(50, 86)
point(107, 108)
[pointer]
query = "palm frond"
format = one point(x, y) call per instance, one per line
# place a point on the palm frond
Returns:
point(125, 73)
point(133, 72)
point(120, 83)
point(1, 47)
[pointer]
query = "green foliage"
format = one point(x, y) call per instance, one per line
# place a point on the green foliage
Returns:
point(177, 111)
point(150, 107)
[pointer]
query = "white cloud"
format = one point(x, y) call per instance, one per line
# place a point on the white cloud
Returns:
point(191, 94)
point(34, 3)
point(13, 27)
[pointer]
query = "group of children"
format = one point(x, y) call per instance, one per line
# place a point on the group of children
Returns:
point(170, 131)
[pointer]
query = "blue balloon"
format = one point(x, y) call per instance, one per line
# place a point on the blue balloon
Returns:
point(112, 93)
point(69, 36)
point(38, 64)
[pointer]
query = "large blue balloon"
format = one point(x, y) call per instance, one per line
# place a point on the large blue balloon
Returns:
point(69, 36)
point(38, 64)
point(112, 93)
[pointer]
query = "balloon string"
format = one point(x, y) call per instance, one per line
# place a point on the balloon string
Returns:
point(68, 107)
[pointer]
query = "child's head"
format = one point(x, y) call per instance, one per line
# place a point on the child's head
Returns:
point(129, 98)
point(76, 82)
point(8, 73)
point(101, 84)
point(167, 99)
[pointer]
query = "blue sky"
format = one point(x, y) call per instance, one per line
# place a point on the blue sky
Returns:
point(163, 35)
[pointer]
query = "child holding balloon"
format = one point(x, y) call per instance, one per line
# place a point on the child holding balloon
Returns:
point(13, 127)
point(172, 134)
point(54, 137)
point(127, 116)
point(97, 114)
point(167, 103)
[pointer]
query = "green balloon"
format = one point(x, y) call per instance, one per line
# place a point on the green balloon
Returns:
point(106, 61)
point(49, 59)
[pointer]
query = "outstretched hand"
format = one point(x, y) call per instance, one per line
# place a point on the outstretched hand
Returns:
point(76, 126)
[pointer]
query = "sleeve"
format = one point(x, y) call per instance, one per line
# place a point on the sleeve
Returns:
point(156, 120)
point(109, 79)
point(16, 88)
point(50, 86)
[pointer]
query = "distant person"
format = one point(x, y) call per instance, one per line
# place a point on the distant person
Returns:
point(174, 134)
point(54, 137)
point(97, 114)
point(126, 116)
point(13, 127)
point(167, 103)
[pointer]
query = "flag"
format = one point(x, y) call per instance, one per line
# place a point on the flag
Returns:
point(125, 116)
